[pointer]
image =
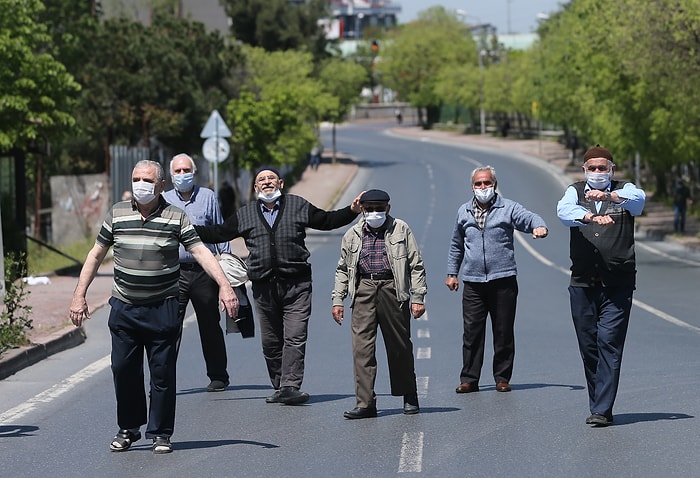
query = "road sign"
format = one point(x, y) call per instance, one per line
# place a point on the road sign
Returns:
point(215, 127)
point(215, 150)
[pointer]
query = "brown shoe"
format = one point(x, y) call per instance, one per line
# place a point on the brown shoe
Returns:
point(467, 388)
point(503, 387)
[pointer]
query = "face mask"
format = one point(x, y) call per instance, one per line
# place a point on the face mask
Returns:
point(143, 192)
point(375, 219)
point(484, 195)
point(183, 182)
point(269, 197)
point(598, 180)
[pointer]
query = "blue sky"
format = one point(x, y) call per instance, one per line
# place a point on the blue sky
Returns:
point(522, 13)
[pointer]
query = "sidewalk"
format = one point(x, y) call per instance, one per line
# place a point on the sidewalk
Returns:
point(53, 331)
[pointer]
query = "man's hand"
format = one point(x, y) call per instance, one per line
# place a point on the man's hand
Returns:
point(79, 310)
point(452, 283)
point(417, 310)
point(228, 300)
point(337, 312)
point(539, 233)
point(355, 206)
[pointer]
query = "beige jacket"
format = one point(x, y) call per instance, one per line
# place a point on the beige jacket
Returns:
point(404, 259)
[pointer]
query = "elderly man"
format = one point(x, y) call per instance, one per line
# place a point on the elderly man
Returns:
point(202, 209)
point(599, 213)
point(382, 271)
point(274, 228)
point(146, 233)
point(482, 247)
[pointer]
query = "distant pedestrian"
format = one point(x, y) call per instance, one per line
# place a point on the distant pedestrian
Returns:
point(314, 157)
point(599, 213)
point(145, 234)
point(227, 199)
point(382, 271)
point(399, 115)
point(681, 197)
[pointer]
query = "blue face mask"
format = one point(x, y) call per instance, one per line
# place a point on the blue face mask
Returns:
point(183, 182)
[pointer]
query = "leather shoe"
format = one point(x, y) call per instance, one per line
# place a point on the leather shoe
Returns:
point(503, 387)
point(274, 398)
point(359, 412)
point(598, 420)
point(467, 388)
point(292, 396)
point(410, 404)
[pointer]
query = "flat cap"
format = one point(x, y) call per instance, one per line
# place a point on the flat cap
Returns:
point(597, 152)
point(375, 195)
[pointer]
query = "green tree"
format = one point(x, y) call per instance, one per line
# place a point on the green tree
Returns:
point(35, 89)
point(412, 60)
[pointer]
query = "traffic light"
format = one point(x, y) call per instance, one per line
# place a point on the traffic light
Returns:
point(375, 46)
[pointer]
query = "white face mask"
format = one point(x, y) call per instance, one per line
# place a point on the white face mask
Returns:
point(183, 182)
point(598, 180)
point(143, 192)
point(484, 195)
point(375, 219)
point(269, 197)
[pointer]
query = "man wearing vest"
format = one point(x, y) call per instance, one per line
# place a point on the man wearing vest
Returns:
point(274, 228)
point(600, 214)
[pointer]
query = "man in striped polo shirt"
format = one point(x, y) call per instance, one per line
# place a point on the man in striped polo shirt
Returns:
point(146, 233)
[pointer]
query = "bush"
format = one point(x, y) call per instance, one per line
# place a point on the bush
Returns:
point(14, 319)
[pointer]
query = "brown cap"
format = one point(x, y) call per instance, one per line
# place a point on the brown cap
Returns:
point(597, 152)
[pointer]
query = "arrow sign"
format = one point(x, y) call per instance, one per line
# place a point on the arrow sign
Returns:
point(215, 127)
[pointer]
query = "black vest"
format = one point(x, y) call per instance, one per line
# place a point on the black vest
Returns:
point(280, 250)
point(603, 254)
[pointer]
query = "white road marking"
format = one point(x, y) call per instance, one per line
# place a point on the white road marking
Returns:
point(56, 391)
point(422, 386)
point(423, 333)
point(411, 460)
point(423, 353)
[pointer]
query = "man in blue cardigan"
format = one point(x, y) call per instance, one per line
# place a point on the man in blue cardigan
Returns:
point(482, 247)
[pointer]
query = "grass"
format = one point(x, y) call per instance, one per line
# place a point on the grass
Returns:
point(42, 260)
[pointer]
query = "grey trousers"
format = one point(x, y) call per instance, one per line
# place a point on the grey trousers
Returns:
point(375, 305)
point(283, 307)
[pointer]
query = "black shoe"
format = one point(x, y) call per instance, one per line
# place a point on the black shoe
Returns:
point(124, 439)
point(359, 412)
point(410, 404)
point(162, 445)
point(599, 420)
point(217, 386)
point(292, 396)
point(274, 398)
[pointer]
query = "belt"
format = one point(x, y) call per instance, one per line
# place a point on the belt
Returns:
point(377, 276)
point(190, 266)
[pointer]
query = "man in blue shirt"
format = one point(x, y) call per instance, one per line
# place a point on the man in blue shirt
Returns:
point(600, 215)
point(202, 208)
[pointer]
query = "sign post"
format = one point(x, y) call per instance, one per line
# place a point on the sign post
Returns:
point(215, 148)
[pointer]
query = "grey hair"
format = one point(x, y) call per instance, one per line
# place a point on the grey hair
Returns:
point(147, 163)
point(183, 155)
point(485, 168)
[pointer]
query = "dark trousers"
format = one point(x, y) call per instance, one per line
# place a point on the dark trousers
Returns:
point(497, 298)
point(202, 290)
point(156, 329)
point(375, 305)
point(283, 307)
point(679, 211)
point(601, 316)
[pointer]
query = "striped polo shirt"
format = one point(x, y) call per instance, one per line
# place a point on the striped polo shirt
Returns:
point(146, 258)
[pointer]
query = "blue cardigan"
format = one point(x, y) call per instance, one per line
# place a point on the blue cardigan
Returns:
point(488, 254)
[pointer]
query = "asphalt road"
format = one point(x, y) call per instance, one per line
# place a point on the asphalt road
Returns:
point(57, 417)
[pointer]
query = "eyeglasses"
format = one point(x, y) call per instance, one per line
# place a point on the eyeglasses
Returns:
point(483, 183)
point(374, 208)
point(602, 168)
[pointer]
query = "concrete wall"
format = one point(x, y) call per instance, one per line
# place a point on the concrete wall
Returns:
point(80, 204)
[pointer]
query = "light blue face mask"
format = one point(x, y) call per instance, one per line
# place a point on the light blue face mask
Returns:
point(183, 182)
point(598, 180)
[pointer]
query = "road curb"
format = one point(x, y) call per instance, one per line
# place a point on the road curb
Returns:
point(15, 360)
